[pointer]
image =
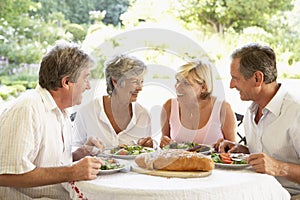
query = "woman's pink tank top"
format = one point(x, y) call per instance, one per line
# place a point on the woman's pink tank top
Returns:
point(208, 134)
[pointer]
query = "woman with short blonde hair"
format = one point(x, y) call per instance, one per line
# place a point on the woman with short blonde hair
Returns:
point(195, 115)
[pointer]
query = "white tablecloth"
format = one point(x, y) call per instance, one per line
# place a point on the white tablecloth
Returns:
point(222, 184)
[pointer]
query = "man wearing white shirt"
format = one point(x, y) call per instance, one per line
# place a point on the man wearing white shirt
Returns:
point(272, 122)
point(35, 131)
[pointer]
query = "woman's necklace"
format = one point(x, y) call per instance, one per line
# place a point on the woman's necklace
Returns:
point(189, 118)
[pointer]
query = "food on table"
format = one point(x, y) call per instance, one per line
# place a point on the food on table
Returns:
point(130, 150)
point(190, 146)
point(175, 160)
point(229, 158)
point(111, 163)
point(184, 145)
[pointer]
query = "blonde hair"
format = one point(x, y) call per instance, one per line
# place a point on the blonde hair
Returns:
point(199, 71)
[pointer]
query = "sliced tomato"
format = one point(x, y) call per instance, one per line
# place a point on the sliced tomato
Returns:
point(227, 161)
point(225, 155)
point(123, 152)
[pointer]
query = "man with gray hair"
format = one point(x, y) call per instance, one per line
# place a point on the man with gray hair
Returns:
point(271, 122)
point(35, 131)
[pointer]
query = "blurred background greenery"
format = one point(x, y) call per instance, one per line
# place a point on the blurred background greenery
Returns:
point(29, 27)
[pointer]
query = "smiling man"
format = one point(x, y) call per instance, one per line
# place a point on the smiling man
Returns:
point(35, 131)
point(272, 120)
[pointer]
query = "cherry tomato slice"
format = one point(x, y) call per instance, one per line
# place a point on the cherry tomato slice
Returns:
point(123, 152)
point(227, 161)
point(225, 155)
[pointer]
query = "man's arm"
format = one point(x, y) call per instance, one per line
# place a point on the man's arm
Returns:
point(85, 169)
point(292, 172)
point(263, 163)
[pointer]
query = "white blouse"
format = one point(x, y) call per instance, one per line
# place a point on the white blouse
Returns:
point(91, 120)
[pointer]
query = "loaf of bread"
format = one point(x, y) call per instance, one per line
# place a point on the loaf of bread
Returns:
point(175, 160)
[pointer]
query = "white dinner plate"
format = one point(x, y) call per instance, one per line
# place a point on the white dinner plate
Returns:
point(202, 148)
point(123, 156)
point(232, 166)
point(123, 164)
point(107, 153)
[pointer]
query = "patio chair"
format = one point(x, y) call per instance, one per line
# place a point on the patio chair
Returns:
point(239, 119)
point(72, 117)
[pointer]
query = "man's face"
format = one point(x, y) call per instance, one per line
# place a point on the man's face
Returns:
point(80, 86)
point(245, 87)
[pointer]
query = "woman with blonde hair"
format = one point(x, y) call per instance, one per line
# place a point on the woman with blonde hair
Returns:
point(195, 115)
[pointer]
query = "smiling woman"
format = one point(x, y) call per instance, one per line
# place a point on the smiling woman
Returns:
point(196, 115)
point(117, 118)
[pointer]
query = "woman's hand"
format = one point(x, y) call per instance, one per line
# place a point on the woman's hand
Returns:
point(146, 142)
point(165, 140)
point(94, 146)
point(224, 146)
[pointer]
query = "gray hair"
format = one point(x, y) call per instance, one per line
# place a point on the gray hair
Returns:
point(120, 68)
point(254, 57)
point(63, 60)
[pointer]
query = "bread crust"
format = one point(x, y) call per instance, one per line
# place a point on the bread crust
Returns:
point(175, 160)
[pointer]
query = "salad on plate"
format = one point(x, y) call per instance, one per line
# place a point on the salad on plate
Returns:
point(129, 151)
point(190, 146)
point(111, 165)
point(232, 160)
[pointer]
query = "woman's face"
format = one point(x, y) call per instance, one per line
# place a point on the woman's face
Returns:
point(130, 88)
point(187, 88)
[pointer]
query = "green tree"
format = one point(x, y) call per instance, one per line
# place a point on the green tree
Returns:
point(24, 37)
point(236, 14)
point(15, 25)
point(78, 11)
point(285, 31)
point(77, 31)
point(114, 9)
point(11, 10)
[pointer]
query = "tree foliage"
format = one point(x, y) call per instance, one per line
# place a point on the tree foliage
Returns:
point(77, 11)
point(114, 9)
point(222, 15)
point(28, 27)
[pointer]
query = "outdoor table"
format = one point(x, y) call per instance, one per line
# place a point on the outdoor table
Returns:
point(221, 184)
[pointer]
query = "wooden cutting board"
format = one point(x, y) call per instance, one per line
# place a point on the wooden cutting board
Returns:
point(171, 174)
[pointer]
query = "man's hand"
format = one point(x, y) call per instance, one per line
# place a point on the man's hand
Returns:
point(226, 146)
point(94, 146)
point(87, 168)
point(263, 163)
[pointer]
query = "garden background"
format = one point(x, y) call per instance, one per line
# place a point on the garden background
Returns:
point(29, 27)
